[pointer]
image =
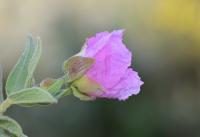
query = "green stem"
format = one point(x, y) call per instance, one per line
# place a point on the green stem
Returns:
point(5, 105)
point(65, 92)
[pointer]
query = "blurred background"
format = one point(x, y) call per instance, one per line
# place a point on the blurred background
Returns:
point(164, 36)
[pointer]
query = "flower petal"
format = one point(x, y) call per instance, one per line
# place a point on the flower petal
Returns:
point(112, 58)
point(129, 85)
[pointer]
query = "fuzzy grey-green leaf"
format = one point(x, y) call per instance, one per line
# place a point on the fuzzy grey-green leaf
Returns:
point(11, 127)
point(22, 73)
point(31, 96)
point(3, 133)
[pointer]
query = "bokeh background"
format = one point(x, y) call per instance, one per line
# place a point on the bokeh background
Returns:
point(164, 36)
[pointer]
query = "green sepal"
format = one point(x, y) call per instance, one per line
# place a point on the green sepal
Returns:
point(76, 67)
point(81, 96)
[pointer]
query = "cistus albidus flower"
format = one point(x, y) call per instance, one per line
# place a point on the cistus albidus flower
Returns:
point(109, 75)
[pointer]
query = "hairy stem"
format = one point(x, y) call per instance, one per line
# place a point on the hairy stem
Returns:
point(5, 105)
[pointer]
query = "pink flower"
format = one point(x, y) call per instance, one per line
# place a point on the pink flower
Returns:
point(111, 68)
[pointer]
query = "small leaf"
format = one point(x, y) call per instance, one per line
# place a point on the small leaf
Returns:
point(22, 74)
point(32, 96)
point(77, 66)
point(46, 83)
point(10, 127)
point(53, 86)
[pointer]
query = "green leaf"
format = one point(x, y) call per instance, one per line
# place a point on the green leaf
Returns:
point(22, 74)
point(53, 86)
point(4, 134)
point(10, 127)
point(76, 66)
point(32, 96)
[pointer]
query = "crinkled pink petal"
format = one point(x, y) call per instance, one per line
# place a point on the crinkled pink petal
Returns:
point(129, 85)
point(110, 69)
point(112, 58)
